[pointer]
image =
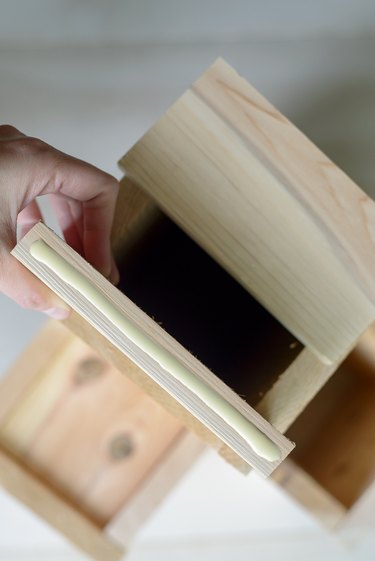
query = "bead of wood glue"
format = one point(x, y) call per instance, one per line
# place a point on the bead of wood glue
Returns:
point(261, 444)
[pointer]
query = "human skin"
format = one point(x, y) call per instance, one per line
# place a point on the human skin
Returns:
point(82, 196)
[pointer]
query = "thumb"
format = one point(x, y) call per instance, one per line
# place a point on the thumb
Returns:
point(27, 290)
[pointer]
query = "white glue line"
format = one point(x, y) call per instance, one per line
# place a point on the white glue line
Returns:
point(262, 445)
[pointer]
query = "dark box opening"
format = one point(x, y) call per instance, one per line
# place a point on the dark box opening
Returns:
point(195, 300)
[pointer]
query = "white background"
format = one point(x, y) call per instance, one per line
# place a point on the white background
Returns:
point(90, 77)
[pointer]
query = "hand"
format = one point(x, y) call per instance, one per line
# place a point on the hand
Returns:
point(83, 199)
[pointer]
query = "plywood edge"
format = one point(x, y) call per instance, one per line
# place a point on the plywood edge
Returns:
point(177, 460)
point(175, 387)
point(46, 502)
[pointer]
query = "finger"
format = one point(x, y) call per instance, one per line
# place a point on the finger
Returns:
point(69, 216)
point(98, 193)
point(21, 285)
point(28, 217)
point(7, 132)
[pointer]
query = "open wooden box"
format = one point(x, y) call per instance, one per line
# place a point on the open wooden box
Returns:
point(247, 260)
point(83, 446)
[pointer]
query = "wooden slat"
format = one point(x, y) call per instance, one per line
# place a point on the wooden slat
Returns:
point(51, 505)
point(294, 389)
point(205, 413)
point(268, 205)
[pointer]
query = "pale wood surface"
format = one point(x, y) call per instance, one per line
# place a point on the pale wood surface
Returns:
point(180, 456)
point(181, 393)
point(294, 389)
point(268, 205)
point(48, 503)
point(91, 431)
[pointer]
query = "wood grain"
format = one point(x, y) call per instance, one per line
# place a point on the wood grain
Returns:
point(272, 209)
point(178, 390)
point(91, 431)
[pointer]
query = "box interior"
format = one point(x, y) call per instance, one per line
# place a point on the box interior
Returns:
point(180, 286)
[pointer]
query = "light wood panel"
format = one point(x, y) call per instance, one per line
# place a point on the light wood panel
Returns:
point(253, 191)
point(294, 389)
point(178, 390)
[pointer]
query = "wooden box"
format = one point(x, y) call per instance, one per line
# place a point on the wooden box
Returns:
point(83, 446)
point(247, 262)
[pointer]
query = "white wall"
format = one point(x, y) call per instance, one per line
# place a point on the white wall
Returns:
point(110, 21)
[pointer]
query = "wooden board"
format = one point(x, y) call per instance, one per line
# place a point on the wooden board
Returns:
point(273, 210)
point(294, 389)
point(178, 390)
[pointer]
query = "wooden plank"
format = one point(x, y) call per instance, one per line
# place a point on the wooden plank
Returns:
point(181, 455)
point(253, 191)
point(197, 405)
point(111, 353)
point(89, 430)
point(51, 505)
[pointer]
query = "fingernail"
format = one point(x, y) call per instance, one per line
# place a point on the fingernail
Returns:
point(57, 313)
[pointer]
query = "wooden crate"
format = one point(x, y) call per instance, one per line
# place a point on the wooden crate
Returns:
point(247, 266)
